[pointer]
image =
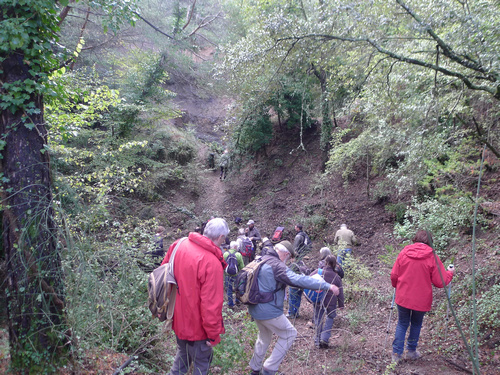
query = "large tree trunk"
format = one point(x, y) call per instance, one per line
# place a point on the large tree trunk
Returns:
point(35, 303)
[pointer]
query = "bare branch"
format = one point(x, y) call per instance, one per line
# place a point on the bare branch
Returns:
point(153, 26)
point(190, 15)
point(203, 24)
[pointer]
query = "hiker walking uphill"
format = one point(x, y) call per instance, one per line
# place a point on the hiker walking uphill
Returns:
point(253, 234)
point(416, 269)
point(323, 253)
point(159, 252)
point(345, 238)
point(235, 263)
point(197, 322)
point(245, 246)
point(325, 310)
point(273, 276)
point(302, 242)
point(224, 164)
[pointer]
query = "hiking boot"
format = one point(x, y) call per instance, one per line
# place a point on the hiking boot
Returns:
point(255, 372)
point(397, 357)
point(323, 345)
point(413, 355)
point(270, 372)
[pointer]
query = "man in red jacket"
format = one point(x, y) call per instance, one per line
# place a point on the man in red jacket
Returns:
point(199, 271)
point(416, 269)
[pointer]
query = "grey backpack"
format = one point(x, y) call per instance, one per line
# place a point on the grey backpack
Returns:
point(162, 290)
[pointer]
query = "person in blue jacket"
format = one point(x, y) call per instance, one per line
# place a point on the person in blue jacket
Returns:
point(273, 277)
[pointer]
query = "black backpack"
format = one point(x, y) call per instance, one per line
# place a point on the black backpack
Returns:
point(232, 264)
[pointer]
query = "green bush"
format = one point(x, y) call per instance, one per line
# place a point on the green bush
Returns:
point(488, 308)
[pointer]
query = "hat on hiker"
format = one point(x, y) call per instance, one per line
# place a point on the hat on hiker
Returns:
point(288, 246)
point(250, 222)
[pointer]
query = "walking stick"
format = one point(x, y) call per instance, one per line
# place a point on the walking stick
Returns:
point(448, 301)
point(390, 317)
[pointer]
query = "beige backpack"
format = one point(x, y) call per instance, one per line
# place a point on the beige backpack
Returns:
point(162, 290)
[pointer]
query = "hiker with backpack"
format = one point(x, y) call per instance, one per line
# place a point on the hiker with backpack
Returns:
point(302, 242)
point(254, 236)
point(346, 239)
point(224, 164)
point(272, 278)
point(323, 253)
point(416, 270)
point(199, 271)
point(234, 262)
point(325, 310)
point(245, 246)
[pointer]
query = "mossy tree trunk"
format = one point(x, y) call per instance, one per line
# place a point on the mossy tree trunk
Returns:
point(35, 302)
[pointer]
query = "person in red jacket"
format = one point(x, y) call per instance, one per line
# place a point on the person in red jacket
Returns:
point(416, 269)
point(199, 270)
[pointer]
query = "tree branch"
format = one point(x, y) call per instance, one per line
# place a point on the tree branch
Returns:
point(153, 26)
point(190, 15)
point(205, 24)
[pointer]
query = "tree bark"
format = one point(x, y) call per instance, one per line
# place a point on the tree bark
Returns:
point(35, 300)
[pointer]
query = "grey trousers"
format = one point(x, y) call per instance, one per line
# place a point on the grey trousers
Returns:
point(286, 333)
point(188, 352)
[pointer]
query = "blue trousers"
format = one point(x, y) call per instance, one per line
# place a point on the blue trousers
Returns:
point(342, 254)
point(413, 319)
point(229, 281)
point(323, 326)
point(294, 303)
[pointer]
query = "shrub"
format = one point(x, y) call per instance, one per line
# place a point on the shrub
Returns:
point(488, 308)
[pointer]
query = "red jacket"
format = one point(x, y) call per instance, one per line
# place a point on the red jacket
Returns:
point(413, 275)
point(198, 269)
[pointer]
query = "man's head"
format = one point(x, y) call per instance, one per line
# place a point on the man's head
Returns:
point(343, 226)
point(233, 245)
point(324, 252)
point(160, 230)
point(251, 223)
point(284, 250)
point(217, 230)
point(298, 227)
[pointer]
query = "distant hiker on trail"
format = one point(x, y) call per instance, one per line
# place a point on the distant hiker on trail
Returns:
point(199, 271)
point(158, 253)
point(345, 238)
point(323, 253)
point(416, 269)
point(253, 234)
point(295, 294)
point(326, 310)
point(224, 164)
point(235, 263)
point(273, 276)
point(302, 243)
point(245, 246)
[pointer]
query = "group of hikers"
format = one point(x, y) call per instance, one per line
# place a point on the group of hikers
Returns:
point(207, 265)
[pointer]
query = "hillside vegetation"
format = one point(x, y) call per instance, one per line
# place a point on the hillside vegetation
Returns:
point(380, 115)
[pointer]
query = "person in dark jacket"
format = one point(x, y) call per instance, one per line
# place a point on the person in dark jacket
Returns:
point(416, 269)
point(301, 243)
point(326, 310)
point(323, 253)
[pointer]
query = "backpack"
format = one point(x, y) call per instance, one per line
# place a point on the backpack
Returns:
point(247, 284)
point(232, 264)
point(162, 290)
point(246, 247)
point(278, 234)
point(315, 296)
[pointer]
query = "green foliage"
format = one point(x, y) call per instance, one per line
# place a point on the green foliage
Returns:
point(442, 217)
point(255, 131)
point(390, 255)
point(488, 308)
point(398, 209)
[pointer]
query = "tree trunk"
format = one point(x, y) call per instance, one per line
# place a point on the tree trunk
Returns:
point(35, 302)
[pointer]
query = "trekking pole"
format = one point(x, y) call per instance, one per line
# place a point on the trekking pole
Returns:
point(390, 317)
point(448, 301)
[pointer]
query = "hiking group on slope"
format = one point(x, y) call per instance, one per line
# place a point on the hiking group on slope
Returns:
point(202, 271)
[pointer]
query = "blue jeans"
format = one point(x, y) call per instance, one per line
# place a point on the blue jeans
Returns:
point(229, 281)
point(412, 318)
point(342, 254)
point(294, 303)
point(323, 327)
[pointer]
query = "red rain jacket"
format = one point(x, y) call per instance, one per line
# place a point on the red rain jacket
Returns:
point(199, 272)
point(413, 275)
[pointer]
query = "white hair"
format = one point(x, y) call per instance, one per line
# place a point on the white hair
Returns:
point(233, 245)
point(241, 231)
point(282, 248)
point(343, 226)
point(215, 228)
